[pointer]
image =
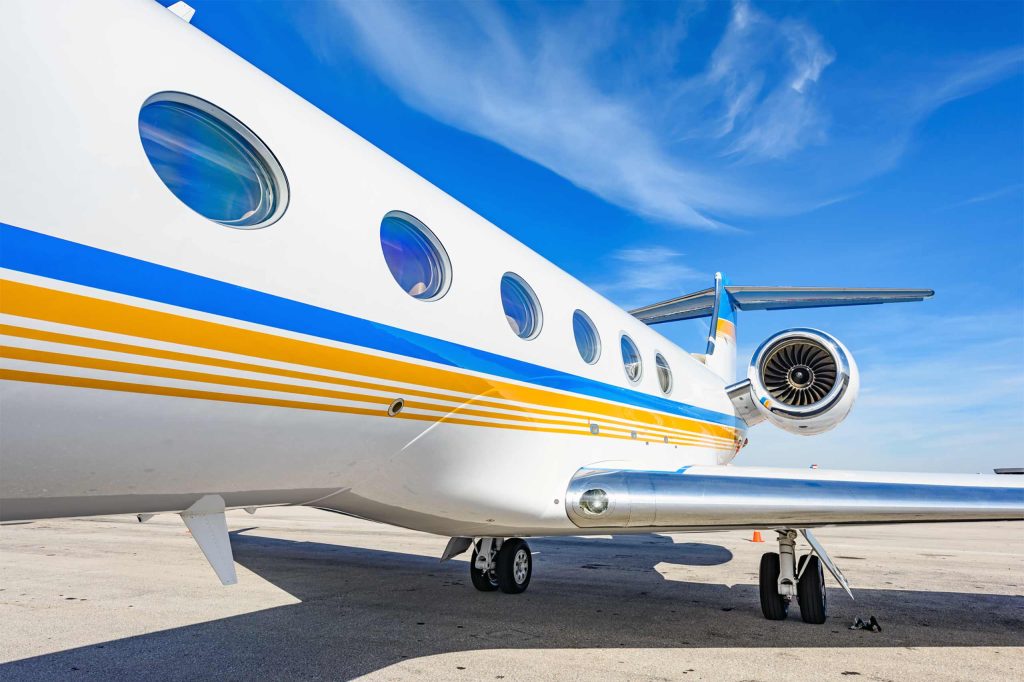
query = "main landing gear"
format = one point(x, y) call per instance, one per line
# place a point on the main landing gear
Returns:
point(781, 578)
point(500, 564)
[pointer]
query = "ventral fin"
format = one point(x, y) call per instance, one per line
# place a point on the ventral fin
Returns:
point(206, 521)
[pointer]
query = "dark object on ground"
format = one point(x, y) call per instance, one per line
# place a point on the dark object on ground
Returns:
point(871, 624)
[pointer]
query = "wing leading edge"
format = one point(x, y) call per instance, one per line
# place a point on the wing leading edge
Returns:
point(753, 497)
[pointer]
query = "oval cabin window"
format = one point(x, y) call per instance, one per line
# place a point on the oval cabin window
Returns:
point(415, 257)
point(213, 163)
point(587, 340)
point(522, 311)
point(631, 361)
point(664, 373)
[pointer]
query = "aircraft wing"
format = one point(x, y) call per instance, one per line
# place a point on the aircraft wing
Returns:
point(703, 497)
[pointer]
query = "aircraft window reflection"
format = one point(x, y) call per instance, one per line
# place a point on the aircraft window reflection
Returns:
point(522, 311)
point(631, 359)
point(587, 340)
point(664, 373)
point(211, 161)
point(415, 257)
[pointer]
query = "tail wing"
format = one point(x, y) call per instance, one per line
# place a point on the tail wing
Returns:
point(702, 303)
point(723, 301)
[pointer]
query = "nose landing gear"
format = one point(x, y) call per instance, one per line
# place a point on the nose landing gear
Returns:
point(501, 564)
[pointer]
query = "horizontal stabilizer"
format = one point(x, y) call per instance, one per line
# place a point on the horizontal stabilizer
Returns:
point(702, 303)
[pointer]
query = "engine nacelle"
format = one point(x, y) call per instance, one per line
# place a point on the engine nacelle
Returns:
point(802, 380)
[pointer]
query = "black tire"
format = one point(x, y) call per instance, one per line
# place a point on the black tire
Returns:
point(810, 592)
point(515, 566)
point(485, 581)
point(773, 605)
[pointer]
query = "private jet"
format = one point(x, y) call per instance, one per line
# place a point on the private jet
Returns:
point(217, 297)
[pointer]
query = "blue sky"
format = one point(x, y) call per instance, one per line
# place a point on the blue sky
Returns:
point(643, 146)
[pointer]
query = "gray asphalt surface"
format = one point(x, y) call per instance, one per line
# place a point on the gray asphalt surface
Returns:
point(322, 596)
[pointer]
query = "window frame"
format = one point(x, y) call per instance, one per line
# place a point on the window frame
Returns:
point(593, 328)
point(447, 274)
point(266, 157)
point(538, 309)
point(640, 359)
point(668, 368)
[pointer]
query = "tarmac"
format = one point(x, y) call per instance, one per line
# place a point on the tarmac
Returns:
point(324, 596)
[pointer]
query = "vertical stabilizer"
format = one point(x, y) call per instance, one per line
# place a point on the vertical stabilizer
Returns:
point(721, 353)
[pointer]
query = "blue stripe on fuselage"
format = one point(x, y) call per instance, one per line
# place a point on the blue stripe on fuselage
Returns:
point(38, 254)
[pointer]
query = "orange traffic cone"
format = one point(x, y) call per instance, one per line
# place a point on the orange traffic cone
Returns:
point(757, 537)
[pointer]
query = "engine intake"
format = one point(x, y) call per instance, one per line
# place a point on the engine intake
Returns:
point(802, 380)
point(799, 372)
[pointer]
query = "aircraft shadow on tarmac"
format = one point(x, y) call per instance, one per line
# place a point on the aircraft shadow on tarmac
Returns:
point(362, 610)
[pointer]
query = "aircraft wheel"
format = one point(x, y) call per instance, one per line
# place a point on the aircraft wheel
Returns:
point(485, 581)
point(773, 605)
point(515, 566)
point(810, 592)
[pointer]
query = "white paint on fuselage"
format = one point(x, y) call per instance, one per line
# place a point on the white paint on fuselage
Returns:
point(73, 167)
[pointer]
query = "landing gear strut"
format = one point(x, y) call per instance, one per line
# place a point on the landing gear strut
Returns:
point(482, 569)
point(501, 564)
point(781, 579)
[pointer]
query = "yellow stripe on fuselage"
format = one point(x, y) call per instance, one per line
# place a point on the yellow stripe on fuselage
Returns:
point(35, 302)
point(46, 357)
point(403, 391)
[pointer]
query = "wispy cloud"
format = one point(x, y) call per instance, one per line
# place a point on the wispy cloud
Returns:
point(1013, 190)
point(532, 87)
point(755, 129)
point(905, 99)
point(963, 77)
point(647, 270)
point(773, 118)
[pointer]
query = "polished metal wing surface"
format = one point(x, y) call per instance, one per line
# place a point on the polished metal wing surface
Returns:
point(755, 497)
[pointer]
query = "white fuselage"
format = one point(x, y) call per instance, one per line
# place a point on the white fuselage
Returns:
point(153, 356)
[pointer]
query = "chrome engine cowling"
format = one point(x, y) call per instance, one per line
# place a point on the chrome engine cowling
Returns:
point(802, 380)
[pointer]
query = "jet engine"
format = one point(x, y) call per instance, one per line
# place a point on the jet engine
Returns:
point(802, 380)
